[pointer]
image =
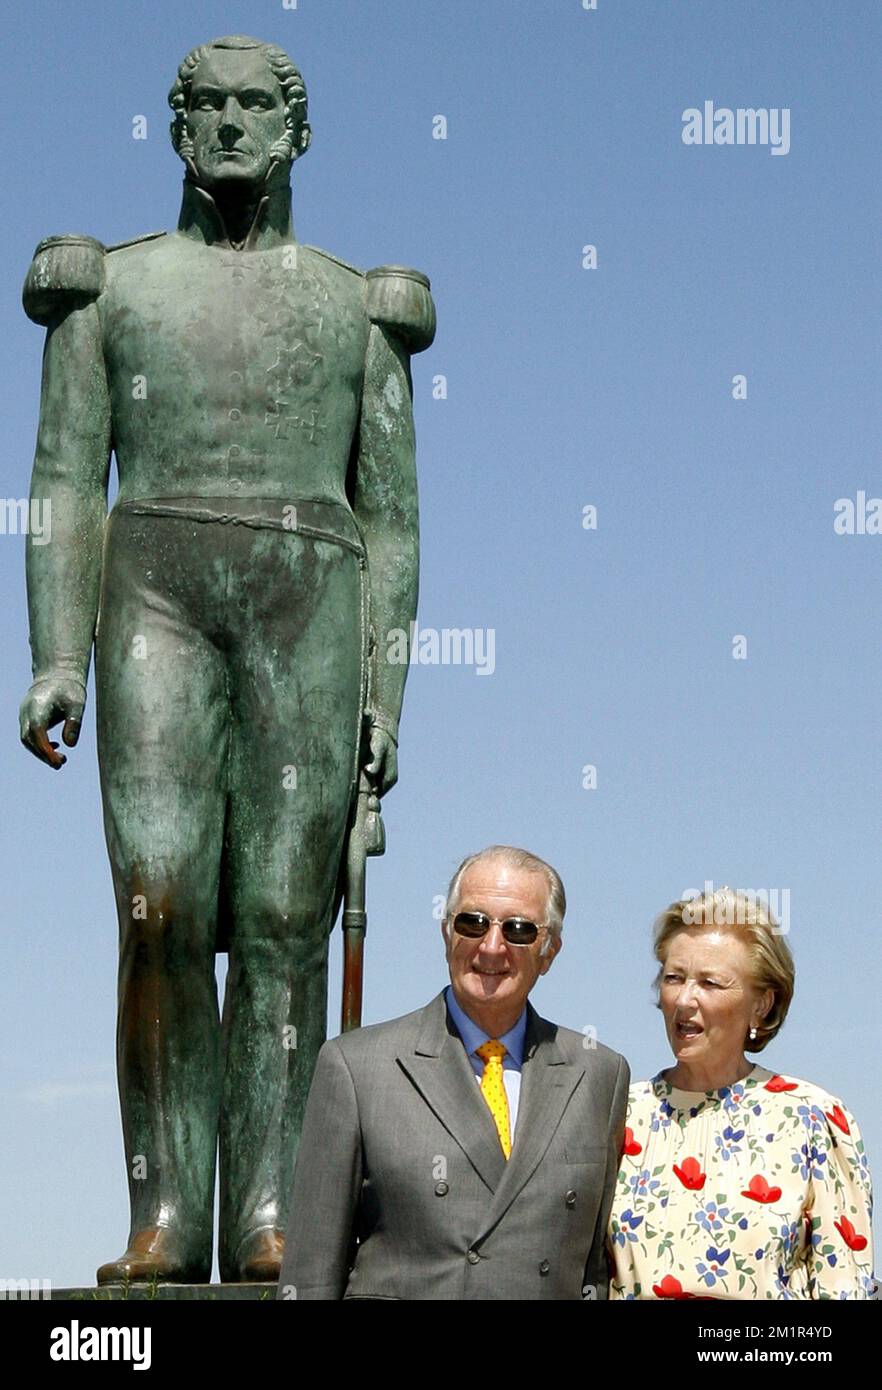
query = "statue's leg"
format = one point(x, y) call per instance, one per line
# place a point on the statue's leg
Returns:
point(163, 735)
point(295, 693)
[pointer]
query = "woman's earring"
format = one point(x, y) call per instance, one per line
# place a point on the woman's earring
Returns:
point(752, 1035)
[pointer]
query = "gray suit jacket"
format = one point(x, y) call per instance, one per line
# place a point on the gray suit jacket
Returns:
point(402, 1190)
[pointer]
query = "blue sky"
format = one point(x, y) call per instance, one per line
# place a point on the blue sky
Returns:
point(566, 388)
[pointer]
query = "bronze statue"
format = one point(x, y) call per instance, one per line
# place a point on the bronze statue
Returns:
point(256, 393)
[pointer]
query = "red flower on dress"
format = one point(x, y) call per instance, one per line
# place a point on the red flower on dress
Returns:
point(630, 1146)
point(672, 1288)
point(760, 1191)
point(837, 1116)
point(669, 1288)
point(850, 1235)
point(778, 1083)
point(690, 1174)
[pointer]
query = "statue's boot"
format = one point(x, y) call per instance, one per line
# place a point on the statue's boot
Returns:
point(153, 1253)
point(259, 1257)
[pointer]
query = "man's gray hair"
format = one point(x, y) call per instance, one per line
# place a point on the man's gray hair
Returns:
point(556, 902)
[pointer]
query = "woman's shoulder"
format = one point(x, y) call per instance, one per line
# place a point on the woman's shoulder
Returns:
point(798, 1091)
point(808, 1106)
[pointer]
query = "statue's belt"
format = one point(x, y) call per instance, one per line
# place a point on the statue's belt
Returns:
point(299, 516)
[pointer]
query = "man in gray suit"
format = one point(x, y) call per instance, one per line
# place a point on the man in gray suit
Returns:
point(469, 1149)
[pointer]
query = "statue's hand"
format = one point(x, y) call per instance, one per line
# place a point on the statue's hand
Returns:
point(49, 700)
point(383, 766)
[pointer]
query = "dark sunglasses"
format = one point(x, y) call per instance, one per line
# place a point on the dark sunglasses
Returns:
point(518, 931)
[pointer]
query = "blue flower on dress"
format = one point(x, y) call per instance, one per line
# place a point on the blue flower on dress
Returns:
point(708, 1218)
point(790, 1233)
point(817, 1158)
point(812, 1116)
point(662, 1117)
point(628, 1219)
point(742, 1224)
point(642, 1183)
point(732, 1097)
point(717, 1256)
point(809, 1159)
point(715, 1267)
point(727, 1143)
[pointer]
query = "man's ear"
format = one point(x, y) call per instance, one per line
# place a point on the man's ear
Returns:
point(444, 936)
point(555, 944)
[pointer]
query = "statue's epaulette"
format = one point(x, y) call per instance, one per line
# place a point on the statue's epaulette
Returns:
point(400, 299)
point(135, 241)
point(66, 272)
point(336, 259)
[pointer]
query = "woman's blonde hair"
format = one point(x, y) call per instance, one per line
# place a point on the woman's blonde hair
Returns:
point(771, 961)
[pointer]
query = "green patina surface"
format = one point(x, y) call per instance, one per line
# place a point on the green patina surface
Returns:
point(256, 395)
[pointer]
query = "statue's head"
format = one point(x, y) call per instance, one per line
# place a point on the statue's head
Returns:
point(239, 112)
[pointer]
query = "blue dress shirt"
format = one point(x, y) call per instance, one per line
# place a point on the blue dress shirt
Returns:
point(474, 1037)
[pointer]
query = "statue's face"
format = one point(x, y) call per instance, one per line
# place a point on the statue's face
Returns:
point(235, 116)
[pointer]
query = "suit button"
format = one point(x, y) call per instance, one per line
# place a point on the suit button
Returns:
point(570, 1198)
point(473, 1257)
point(544, 1267)
point(441, 1189)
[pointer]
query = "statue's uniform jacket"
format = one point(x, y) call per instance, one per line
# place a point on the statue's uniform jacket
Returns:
point(261, 505)
point(262, 353)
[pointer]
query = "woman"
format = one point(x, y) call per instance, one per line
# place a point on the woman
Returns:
point(735, 1182)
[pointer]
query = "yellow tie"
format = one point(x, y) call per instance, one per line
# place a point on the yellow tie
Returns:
point(493, 1089)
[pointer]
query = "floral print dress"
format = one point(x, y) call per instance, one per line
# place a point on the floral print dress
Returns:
point(759, 1190)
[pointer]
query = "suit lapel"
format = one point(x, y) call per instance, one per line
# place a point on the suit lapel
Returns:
point(441, 1071)
point(547, 1082)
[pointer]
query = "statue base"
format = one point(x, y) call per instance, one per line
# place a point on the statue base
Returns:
point(162, 1292)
